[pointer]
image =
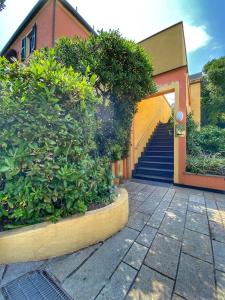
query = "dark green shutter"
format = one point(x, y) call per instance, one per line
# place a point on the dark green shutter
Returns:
point(33, 38)
point(24, 49)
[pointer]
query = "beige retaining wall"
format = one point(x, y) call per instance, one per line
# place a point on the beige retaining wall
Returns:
point(47, 240)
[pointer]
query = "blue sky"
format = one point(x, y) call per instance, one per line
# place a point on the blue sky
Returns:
point(204, 22)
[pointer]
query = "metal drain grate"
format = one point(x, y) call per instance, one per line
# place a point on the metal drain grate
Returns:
point(34, 286)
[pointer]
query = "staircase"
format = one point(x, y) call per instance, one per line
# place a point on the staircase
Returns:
point(156, 162)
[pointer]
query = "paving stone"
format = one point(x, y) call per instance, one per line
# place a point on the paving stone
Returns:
point(214, 215)
point(197, 199)
point(196, 207)
point(173, 224)
point(208, 196)
point(150, 285)
point(139, 188)
point(221, 205)
point(219, 197)
point(158, 215)
point(217, 231)
point(119, 284)
point(129, 186)
point(195, 192)
point(163, 206)
point(132, 186)
point(136, 255)
point(197, 245)
point(219, 255)
point(197, 222)
point(137, 221)
point(169, 195)
point(2, 269)
point(133, 205)
point(148, 189)
point(156, 219)
point(14, 271)
point(195, 279)
point(62, 267)
point(181, 195)
point(92, 276)
point(163, 255)
point(176, 297)
point(220, 285)
point(149, 205)
point(140, 196)
point(159, 192)
point(146, 236)
point(211, 204)
point(1, 296)
point(179, 205)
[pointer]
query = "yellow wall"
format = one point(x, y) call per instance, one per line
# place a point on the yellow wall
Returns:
point(150, 112)
point(167, 49)
point(195, 91)
point(47, 240)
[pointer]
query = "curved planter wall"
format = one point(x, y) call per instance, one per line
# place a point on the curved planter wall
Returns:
point(47, 240)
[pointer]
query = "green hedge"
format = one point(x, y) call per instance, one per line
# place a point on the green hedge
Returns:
point(205, 149)
point(48, 162)
point(206, 164)
point(212, 139)
point(209, 139)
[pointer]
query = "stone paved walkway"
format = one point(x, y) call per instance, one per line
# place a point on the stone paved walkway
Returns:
point(173, 247)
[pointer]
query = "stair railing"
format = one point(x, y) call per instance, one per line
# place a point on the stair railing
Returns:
point(139, 147)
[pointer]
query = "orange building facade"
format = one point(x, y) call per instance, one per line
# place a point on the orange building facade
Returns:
point(48, 21)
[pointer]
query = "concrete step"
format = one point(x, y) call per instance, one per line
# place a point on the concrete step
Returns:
point(154, 171)
point(153, 178)
point(158, 153)
point(156, 158)
point(159, 148)
point(156, 165)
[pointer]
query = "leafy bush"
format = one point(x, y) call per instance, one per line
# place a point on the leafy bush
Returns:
point(212, 139)
point(206, 164)
point(124, 76)
point(213, 93)
point(48, 163)
point(193, 146)
point(205, 148)
point(209, 139)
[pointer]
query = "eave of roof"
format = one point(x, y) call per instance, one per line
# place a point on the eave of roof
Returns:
point(34, 11)
point(195, 77)
point(159, 32)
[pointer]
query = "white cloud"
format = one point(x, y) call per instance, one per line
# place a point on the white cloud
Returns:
point(196, 37)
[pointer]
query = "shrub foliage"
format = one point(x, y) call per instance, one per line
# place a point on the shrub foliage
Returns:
point(123, 76)
point(205, 148)
point(206, 164)
point(48, 163)
point(209, 140)
point(213, 93)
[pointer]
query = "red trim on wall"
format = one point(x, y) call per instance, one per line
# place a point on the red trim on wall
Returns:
point(116, 168)
point(204, 181)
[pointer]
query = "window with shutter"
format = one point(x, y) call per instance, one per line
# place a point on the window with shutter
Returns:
point(24, 50)
point(33, 39)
